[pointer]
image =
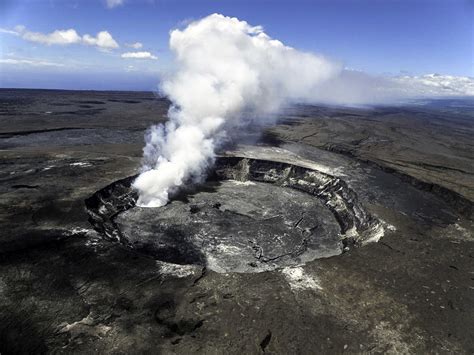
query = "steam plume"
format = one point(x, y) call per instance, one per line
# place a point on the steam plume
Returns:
point(227, 73)
point(225, 67)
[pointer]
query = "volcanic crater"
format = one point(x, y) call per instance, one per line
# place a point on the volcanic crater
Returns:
point(250, 215)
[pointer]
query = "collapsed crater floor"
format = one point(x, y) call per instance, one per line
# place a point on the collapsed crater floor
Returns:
point(251, 215)
point(235, 226)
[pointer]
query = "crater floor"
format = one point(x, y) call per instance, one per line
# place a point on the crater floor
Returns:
point(233, 226)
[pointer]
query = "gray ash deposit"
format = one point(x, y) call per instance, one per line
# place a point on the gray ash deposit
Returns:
point(251, 215)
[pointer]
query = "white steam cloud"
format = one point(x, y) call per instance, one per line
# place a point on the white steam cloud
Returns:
point(229, 72)
point(225, 67)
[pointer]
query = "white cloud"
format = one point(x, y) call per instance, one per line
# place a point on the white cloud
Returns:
point(138, 55)
point(353, 87)
point(32, 62)
point(113, 3)
point(103, 40)
point(438, 85)
point(61, 37)
point(136, 45)
point(10, 32)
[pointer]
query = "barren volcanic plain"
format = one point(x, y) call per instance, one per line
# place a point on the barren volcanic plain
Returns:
point(336, 230)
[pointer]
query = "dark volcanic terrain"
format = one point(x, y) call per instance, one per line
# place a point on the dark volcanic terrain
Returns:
point(340, 230)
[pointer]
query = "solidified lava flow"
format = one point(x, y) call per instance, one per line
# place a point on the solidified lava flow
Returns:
point(250, 215)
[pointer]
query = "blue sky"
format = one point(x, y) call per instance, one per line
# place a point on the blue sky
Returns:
point(379, 37)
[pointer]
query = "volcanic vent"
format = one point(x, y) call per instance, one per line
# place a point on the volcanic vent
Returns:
point(250, 215)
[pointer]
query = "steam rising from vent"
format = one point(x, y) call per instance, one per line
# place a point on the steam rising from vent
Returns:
point(225, 67)
point(229, 73)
